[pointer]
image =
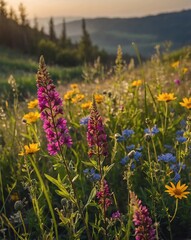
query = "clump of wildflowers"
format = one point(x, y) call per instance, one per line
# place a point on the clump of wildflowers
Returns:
point(96, 136)
point(51, 110)
point(144, 228)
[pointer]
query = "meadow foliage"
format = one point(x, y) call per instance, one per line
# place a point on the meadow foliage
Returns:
point(107, 158)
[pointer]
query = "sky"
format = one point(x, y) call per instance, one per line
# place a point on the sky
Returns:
point(98, 8)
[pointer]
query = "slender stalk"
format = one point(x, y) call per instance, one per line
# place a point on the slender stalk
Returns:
point(175, 211)
point(46, 196)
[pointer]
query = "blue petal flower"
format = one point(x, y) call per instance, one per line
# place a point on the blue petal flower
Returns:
point(168, 157)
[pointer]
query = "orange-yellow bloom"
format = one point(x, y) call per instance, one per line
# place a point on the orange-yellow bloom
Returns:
point(137, 83)
point(86, 105)
point(177, 191)
point(186, 103)
point(78, 98)
point(175, 64)
point(31, 117)
point(33, 104)
point(71, 93)
point(29, 149)
point(74, 85)
point(166, 97)
point(99, 98)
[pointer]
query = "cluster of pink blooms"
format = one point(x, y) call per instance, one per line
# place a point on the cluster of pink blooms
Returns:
point(50, 105)
point(144, 229)
point(104, 195)
point(96, 136)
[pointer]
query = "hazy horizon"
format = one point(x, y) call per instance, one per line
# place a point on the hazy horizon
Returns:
point(108, 8)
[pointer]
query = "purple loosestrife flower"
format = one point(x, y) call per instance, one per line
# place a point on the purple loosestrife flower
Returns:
point(96, 136)
point(51, 110)
point(144, 228)
point(116, 215)
point(104, 195)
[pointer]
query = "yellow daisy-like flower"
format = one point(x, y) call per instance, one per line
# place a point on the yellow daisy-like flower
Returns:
point(70, 94)
point(74, 85)
point(33, 104)
point(185, 70)
point(99, 98)
point(137, 83)
point(175, 64)
point(30, 149)
point(166, 97)
point(186, 103)
point(86, 105)
point(177, 191)
point(78, 98)
point(31, 117)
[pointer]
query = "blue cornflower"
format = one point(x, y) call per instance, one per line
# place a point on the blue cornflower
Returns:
point(137, 155)
point(120, 138)
point(124, 160)
point(90, 173)
point(127, 133)
point(177, 167)
point(179, 133)
point(154, 130)
point(167, 146)
point(176, 177)
point(183, 123)
point(181, 139)
point(130, 147)
point(84, 120)
point(167, 157)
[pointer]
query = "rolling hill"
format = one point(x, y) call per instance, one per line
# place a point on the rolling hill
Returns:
point(146, 32)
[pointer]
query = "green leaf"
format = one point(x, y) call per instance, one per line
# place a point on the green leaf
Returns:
point(62, 190)
point(91, 196)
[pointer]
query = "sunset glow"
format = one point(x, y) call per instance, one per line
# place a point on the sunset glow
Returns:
point(99, 8)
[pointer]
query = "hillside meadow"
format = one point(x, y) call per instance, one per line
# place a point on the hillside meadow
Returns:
point(106, 157)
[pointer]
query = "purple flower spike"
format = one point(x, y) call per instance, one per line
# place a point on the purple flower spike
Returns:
point(96, 136)
point(144, 228)
point(50, 105)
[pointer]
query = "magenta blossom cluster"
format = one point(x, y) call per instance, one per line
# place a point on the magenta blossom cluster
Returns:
point(96, 136)
point(50, 104)
point(144, 229)
point(104, 195)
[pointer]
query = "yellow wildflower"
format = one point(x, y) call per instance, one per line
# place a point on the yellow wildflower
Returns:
point(33, 104)
point(74, 86)
point(175, 64)
point(177, 191)
point(31, 117)
point(137, 83)
point(70, 94)
point(185, 70)
point(78, 98)
point(29, 149)
point(186, 103)
point(166, 97)
point(99, 98)
point(86, 105)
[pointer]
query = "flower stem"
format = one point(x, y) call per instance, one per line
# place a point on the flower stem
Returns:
point(175, 211)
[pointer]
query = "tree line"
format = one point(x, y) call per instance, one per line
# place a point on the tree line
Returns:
point(16, 33)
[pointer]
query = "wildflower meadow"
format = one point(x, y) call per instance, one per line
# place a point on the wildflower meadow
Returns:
point(104, 158)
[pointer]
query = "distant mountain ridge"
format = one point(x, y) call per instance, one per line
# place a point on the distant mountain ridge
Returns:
point(146, 32)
